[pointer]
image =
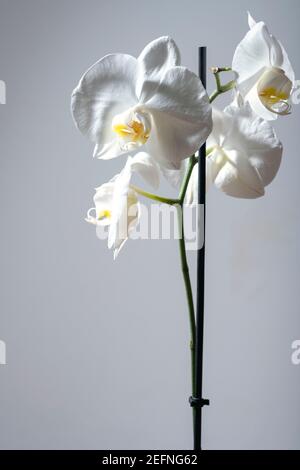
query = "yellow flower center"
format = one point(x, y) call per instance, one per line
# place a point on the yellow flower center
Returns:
point(274, 89)
point(134, 131)
point(132, 127)
point(272, 96)
point(104, 214)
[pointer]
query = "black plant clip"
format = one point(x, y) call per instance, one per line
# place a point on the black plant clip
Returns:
point(198, 402)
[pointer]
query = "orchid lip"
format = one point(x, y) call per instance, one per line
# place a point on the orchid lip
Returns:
point(132, 127)
point(274, 89)
point(285, 108)
point(275, 101)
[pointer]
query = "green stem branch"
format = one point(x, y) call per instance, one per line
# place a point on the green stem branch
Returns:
point(221, 88)
point(154, 197)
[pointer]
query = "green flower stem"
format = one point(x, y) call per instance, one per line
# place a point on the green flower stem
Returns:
point(186, 275)
point(214, 95)
point(189, 295)
point(185, 182)
point(183, 258)
point(221, 88)
point(185, 268)
point(154, 197)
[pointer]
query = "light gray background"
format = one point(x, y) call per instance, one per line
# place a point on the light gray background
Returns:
point(97, 350)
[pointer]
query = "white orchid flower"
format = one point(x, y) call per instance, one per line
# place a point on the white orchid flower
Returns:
point(116, 203)
point(244, 154)
point(265, 75)
point(150, 104)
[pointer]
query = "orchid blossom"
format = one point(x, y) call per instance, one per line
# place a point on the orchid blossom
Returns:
point(116, 203)
point(244, 154)
point(265, 75)
point(150, 104)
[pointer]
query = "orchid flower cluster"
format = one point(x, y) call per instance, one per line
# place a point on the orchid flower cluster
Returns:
point(157, 114)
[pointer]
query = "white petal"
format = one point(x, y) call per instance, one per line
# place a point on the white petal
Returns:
point(246, 172)
point(251, 21)
point(126, 217)
point(125, 209)
point(154, 61)
point(214, 163)
point(276, 56)
point(144, 164)
point(182, 94)
point(251, 57)
point(181, 117)
point(222, 122)
point(253, 154)
point(174, 177)
point(108, 151)
point(132, 223)
point(286, 64)
point(171, 140)
point(104, 194)
point(106, 89)
point(258, 138)
point(229, 181)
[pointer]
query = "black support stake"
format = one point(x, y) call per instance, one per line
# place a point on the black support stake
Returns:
point(198, 401)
